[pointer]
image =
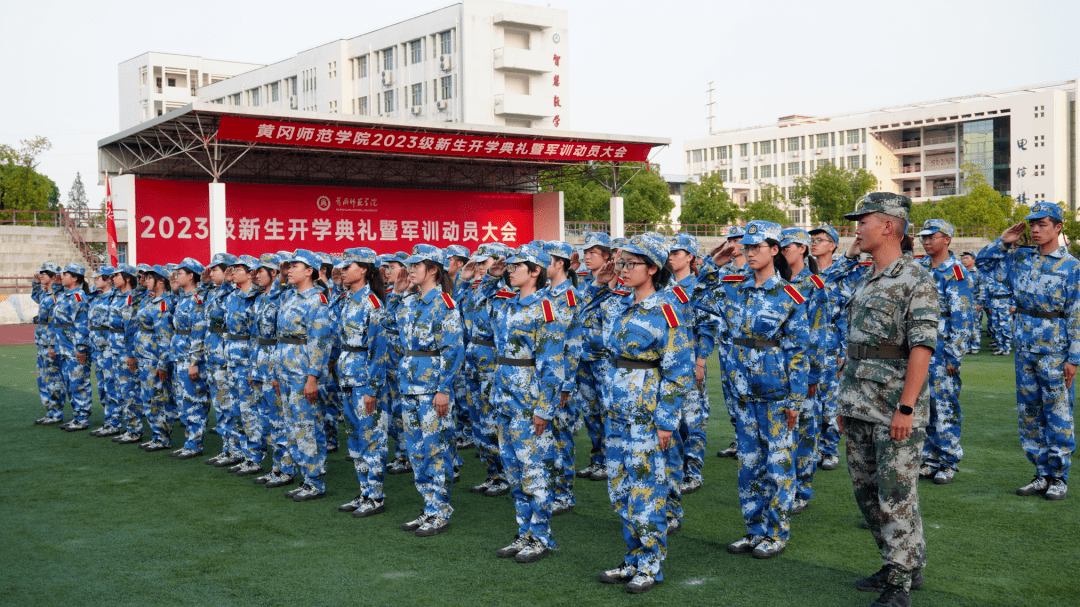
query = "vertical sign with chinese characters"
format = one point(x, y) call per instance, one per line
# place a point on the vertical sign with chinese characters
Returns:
point(173, 220)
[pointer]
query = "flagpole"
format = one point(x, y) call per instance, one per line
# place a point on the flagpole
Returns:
point(110, 223)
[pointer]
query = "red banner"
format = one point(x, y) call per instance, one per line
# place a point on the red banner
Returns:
point(173, 219)
point(110, 225)
point(439, 144)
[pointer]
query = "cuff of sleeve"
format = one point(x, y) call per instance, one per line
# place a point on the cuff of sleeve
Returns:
point(542, 413)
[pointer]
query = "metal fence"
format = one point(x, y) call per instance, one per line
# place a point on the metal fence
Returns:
point(580, 228)
point(82, 218)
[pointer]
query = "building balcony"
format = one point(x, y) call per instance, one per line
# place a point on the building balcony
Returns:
point(908, 172)
point(530, 20)
point(520, 60)
point(528, 106)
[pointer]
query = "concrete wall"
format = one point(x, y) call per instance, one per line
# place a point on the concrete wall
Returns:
point(17, 309)
point(24, 248)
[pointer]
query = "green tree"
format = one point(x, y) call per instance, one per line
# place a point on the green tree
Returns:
point(21, 186)
point(707, 202)
point(979, 205)
point(77, 200)
point(645, 193)
point(832, 191)
point(767, 206)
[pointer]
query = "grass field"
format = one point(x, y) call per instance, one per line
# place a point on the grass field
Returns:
point(90, 522)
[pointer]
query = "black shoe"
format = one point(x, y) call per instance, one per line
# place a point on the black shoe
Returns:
point(731, 451)
point(76, 426)
point(1037, 486)
point(281, 480)
point(127, 438)
point(879, 580)
point(308, 494)
point(228, 460)
point(415, 524)
point(291, 493)
point(156, 446)
point(620, 575)
point(352, 506)
point(893, 596)
point(370, 507)
point(188, 454)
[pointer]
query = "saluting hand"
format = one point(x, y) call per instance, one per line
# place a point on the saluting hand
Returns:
point(468, 271)
point(725, 254)
point(131, 364)
point(606, 273)
point(498, 268)
point(79, 356)
point(1014, 233)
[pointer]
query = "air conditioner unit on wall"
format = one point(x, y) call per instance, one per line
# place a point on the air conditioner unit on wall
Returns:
point(446, 62)
point(292, 102)
point(442, 105)
point(387, 77)
point(794, 153)
point(416, 109)
point(761, 157)
point(819, 151)
point(855, 147)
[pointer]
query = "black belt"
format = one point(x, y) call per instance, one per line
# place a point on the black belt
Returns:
point(120, 331)
point(392, 332)
point(484, 342)
point(626, 363)
point(516, 362)
point(860, 352)
point(233, 337)
point(296, 341)
point(354, 348)
point(424, 353)
point(182, 331)
point(756, 343)
point(945, 314)
point(100, 328)
point(1035, 313)
point(64, 325)
point(1001, 296)
point(263, 341)
point(142, 330)
point(217, 329)
point(35, 321)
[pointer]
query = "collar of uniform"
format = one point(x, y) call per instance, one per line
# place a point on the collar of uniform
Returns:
point(804, 274)
point(360, 295)
point(312, 291)
point(431, 295)
point(159, 298)
point(893, 269)
point(1058, 252)
point(531, 298)
point(561, 288)
point(688, 283)
point(949, 262)
point(770, 282)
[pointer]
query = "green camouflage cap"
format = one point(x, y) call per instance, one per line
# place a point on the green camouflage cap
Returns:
point(896, 205)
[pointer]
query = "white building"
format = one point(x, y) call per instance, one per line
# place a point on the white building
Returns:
point(1023, 140)
point(478, 62)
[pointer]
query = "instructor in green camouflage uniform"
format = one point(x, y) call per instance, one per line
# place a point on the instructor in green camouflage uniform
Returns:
point(883, 404)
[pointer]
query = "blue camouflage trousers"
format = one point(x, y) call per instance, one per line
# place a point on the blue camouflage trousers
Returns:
point(430, 439)
point(1000, 325)
point(75, 377)
point(368, 442)
point(193, 400)
point(485, 423)
point(270, 407)
point(563, 429)
point(50, 384)
point(637, 486)
point(695, 417)
point(941, 449)
point(154, 399)
point(766, 474)
point(221, 397)
point(674, 466)
point(241, 399)
point(1045, 411)
point(807, 436)
point(395, 427)
point(330, 394)
point(105, 367)
point(463, 423)
point(590, 385)
point(255, 423)
point(825, 401)
point(128, 395)
point(530, 469)
point(304, 423)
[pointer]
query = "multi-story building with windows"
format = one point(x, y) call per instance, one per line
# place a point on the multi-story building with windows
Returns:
point(478, 62)
point(1022, 140)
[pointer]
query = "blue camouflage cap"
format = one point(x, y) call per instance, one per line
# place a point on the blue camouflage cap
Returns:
point(456, 250)
point(284, 256)
point(794, 236)
point(160, 270)
point(827, 229)
point(400, 257)
point(933, 226)
point(270, 261)
point(558, 248)
point(531, 254)
point(969, 253)
point(222, 259)
point(421, 252)
point(191, 264)
point(1045, 209)
point(685, 241)
point(358, 255)
point(75, 268)
point(736, 232)
point(247, 261)
point(597, 239)
point(106, 271)
point(648, 246)
point(306, 257)
point(758, 231)
point(124, 268)
point(144, 267)
point(618, 243)
point(49, 266)
point(485, 251)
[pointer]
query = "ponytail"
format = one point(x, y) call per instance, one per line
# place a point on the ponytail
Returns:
point(780, 262)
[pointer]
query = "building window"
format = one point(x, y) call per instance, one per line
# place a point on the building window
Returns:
point(142, 76)
point(744, 149)
point(723, 152)
point(172, 82)
point(414, 50)
point(822, 162)
point(823, 140)
point(447, 87)
point(360, 106)
point(793, 144)
point(446, 42)
point(253, 97)
point(418, 94)
point(360, 67)
point(766, 172)
point(697, 156)
point(388, 102)
point(743, 172)
point(766, 147)
point(755, 172)
point(388, 58)
point(333, 107)
point(853, 136)
point(793, 168)
point(852, 162)
point(234, 99)
point(331, 69)
point(275, 92)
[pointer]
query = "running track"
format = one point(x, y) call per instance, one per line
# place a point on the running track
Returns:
point(16, 335)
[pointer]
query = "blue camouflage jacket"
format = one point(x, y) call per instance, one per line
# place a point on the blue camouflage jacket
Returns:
point(265, 310)
point(153, 334)
point(359, 328)
point(955, 304)
point(240, 326)
point(98, 316)
point(528, 328)
point(45, 301)
point(69, 325)
point(214, 303)
point(304, 316)
point(189, 330)
point(567, 301)
point(429, 323)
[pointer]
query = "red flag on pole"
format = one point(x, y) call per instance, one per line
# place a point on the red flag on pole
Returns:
point(110, 224)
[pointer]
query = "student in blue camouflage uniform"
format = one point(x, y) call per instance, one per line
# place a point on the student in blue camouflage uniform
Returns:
point(795, 246)
point(1000, 303)
point(566, 299)
point(303, 350)
point(396, 276)
point(1045, 282)
point(594, 362)
point(823, 242)
point(121, 338)
point(967, 258)
point(218, 370)
point(456, 258)
point(695, 411)
point(649, 378)
point(150, 351)
point(361, 369)
point(941, 449)
point(45, 292)
point(768, 365)
point(187, 353)
point(329, 391)
point(480, 364)
point(69, 328)
point(432, 344)
point(527, 388)
point(103, 361)
point(240, 354)
point(268, 414)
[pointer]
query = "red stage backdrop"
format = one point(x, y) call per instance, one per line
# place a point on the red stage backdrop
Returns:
point(173, 219)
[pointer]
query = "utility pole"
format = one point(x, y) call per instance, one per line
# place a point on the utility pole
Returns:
point(709, 107)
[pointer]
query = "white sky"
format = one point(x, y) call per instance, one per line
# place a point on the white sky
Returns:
point(639, 68)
